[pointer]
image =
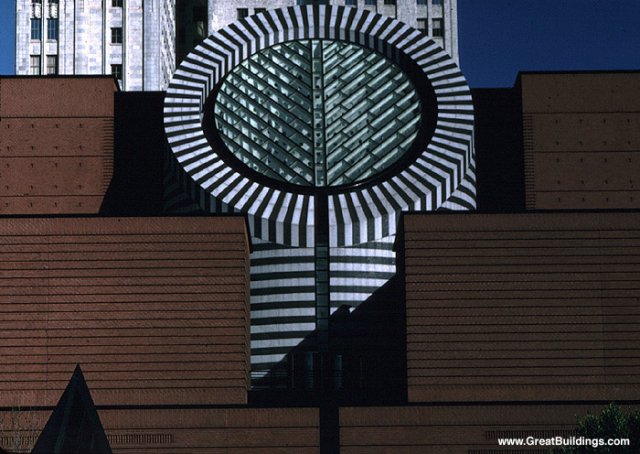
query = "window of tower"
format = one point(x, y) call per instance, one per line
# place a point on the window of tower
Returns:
point(36, 29)
point(52, 64)
point(438, 28)
point(34, 65)
point(116, 35)
point(116, 70)
point(52, 29)
point(200, 21)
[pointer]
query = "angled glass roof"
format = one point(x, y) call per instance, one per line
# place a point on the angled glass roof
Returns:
point(317, 113)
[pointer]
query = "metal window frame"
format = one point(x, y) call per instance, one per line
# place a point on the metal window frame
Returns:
point(53, 29)
point(118, 70)
point(36, 29)
point(38, 59)
point(117, 36)
point(437, 32)
point(49, 67)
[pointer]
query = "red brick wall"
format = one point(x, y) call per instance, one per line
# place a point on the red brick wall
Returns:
point(462, 429)
point(581, 140)
point(155, 310)
point(246, 430)
point(56, 144)
point(522, 307)
point(170, 431)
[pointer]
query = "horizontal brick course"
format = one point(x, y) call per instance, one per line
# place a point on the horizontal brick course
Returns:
point(458, 429)
point(165, 431)
point(522, 307)
point(155, 310)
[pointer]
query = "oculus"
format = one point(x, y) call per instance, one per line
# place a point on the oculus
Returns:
point(318, 112)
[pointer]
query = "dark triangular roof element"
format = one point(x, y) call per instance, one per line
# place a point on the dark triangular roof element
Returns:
point(74, 425)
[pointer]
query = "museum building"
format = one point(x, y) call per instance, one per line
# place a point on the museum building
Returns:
point(291, 249)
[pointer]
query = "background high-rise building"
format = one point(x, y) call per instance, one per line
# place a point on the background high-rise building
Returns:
point(134, 39)
point(436, 18)
point(138, 41)
point(191, 26)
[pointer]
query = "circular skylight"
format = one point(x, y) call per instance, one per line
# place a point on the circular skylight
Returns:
point(317, 112)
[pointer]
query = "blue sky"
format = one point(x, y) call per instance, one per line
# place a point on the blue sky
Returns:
point(498, 38)
point(7, 20)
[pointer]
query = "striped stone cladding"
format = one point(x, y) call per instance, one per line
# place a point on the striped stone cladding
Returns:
point(361, 215)
point(357, 272)
point(362, 221)
point(282, 302)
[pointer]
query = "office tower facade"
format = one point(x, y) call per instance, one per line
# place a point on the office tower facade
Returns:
point(138, 41)
point(192, 26)
point(436, 18)
point(321, 124)
point(132, 39)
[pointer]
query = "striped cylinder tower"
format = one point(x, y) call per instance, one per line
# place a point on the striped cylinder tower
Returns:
point(321, 124)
